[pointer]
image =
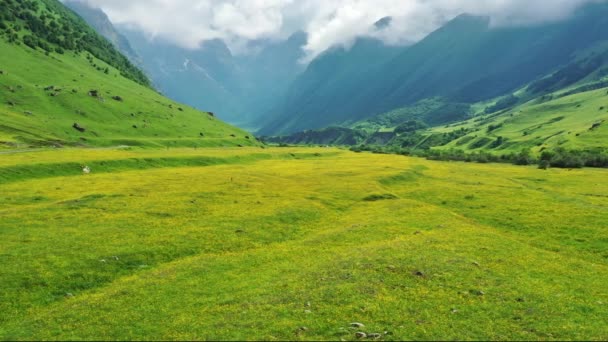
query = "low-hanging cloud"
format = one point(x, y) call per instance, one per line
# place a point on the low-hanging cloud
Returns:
point(189, 23)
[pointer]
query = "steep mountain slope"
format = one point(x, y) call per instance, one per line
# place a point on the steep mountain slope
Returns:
point(568, 127)
point(239, 89)
point(101, 23)
point(320, 96)
point(464, 61)
point(573, 118)
point(566, 109)
point(266, 75)
point(51, 27)
point(204, 78)
point(62, 84)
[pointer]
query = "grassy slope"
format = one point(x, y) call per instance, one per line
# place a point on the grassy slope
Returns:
point(256, 249)
point(108, 122)
point(578, 121)
point(564, 121)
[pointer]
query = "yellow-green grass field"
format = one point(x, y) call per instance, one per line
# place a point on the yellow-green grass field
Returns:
point(297, 244)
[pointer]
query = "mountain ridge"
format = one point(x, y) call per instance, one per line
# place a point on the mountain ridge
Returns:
point(466, 60)
point(99, 21)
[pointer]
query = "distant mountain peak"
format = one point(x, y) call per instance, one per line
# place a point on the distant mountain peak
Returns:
point(383, 23)
point(465, 61)
point(469, 21)
point(298, 37)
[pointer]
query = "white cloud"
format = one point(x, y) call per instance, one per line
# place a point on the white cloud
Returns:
point(328, 22)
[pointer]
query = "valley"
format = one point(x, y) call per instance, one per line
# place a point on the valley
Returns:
point(535, 91)
point(450, 188)
point(296, 244)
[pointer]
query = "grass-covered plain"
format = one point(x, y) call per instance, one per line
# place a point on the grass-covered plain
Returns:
point(297, 243)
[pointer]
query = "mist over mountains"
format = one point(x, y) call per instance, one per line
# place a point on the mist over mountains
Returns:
point(468, 59)
point(465, 61)
point(327, 23)
point(240, 89)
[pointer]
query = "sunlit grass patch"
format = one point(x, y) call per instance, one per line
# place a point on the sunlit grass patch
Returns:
point(298, 244)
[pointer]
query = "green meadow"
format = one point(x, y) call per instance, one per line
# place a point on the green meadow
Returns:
point(42, 98)
point(576, 122)
point(297, 244)
point(186, 228)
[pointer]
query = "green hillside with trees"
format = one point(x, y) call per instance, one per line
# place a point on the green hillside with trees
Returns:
point(61, 84)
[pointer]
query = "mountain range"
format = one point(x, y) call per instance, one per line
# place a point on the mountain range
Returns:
point(465, 62)
point(240, 89)
point(459, 87)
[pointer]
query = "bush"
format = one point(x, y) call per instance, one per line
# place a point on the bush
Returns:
point(523, 158)
point(30, 41)
point(410, 126)
point(479, 143)
point(559, 157)
point(568, 162)
point(572, 159)
point(492, 128)
point(498, 142)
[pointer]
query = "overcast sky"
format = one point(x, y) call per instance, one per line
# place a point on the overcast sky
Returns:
point(327, 22)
